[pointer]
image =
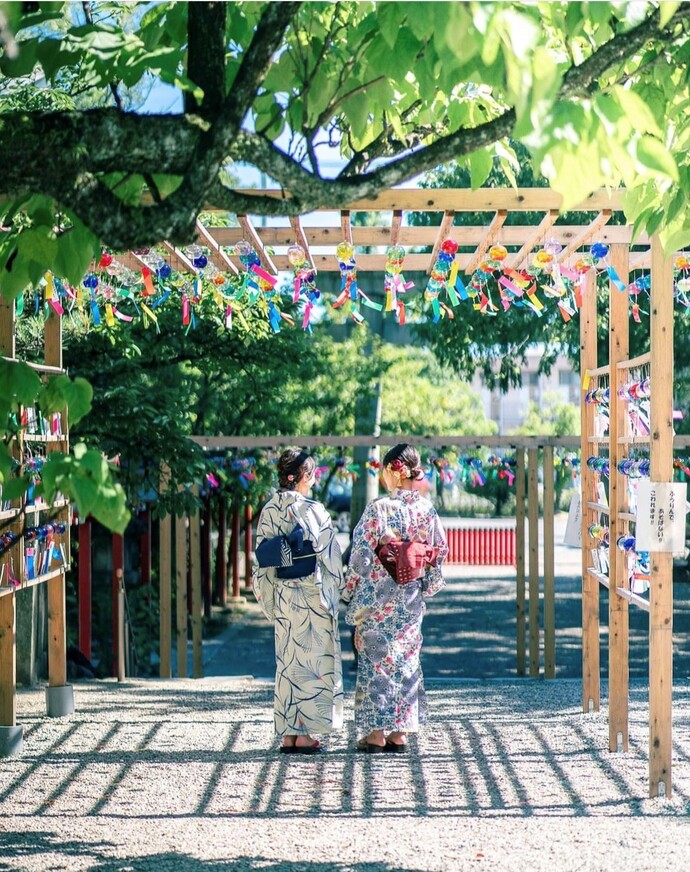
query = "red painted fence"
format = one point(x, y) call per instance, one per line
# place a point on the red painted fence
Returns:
point(476, 544)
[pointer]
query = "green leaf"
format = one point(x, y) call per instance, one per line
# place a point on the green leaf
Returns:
point(14, 488)
point(667, 9)
point(77, 247)
point(85, 478)
point(480, 163)
point(39, 244)
point(18, 382)
point(61, 392)
point(23, 63)
point(636, 110)
point(652, 154)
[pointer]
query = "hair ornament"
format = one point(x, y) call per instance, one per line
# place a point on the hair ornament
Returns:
point(399, 469)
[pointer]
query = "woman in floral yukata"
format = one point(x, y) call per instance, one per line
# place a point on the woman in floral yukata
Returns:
point(389, 699)
point(308, 696)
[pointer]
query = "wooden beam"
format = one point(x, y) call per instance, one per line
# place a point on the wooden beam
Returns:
point(254, 238)
point(380, 234)
point(396, 224)
point(641, 260)
point(132, 260)
point(497, 222)
point(345, 226)
point(459, 199)
point(218, 256)
point(181, 257)
point(532, 238)
point(586, 236)
point(441, 236)
point(296, 225)
point(216, 443)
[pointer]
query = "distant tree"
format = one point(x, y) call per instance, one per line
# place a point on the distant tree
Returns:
point(552, 417)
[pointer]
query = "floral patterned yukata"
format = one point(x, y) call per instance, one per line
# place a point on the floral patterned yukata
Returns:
point(308, 696)
point(388, 616)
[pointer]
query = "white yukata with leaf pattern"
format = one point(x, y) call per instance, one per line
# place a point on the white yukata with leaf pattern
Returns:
point(308, 695)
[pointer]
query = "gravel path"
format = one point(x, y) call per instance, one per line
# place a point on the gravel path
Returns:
point(508, 775)
point(180, 775)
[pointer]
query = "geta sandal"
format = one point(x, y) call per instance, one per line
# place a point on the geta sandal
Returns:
point(395, 748)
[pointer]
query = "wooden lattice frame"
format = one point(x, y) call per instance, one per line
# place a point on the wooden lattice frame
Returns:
point(494, 206)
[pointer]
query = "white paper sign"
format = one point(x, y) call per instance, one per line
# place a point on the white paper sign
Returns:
point(660, 522)
point(573, 528)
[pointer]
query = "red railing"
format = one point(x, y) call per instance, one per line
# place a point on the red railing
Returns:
point(490, 545)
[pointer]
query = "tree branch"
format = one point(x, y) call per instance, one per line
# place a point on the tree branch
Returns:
point(63, 154)
point(579, 80)
point(206, 43)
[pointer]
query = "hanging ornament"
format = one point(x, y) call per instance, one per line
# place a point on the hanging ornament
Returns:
point(443, 277)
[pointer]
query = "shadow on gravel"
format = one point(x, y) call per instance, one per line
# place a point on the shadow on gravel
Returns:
point(40, 844)
point(470, 631)
point(27, 845)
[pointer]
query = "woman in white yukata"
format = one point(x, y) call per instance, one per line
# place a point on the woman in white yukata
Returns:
point(389, 699)
point(308, 697)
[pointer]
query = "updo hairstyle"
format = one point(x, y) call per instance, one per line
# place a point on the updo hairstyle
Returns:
point(404, 455)
point(294, 465)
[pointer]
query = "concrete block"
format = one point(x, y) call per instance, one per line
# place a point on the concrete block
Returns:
point(59, 701)
point(11, 740)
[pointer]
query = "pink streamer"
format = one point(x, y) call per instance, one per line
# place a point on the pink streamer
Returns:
point(511, 286)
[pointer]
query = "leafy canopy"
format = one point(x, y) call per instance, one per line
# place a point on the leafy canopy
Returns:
point(597, 92)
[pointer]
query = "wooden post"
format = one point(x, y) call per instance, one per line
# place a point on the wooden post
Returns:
point(195, 555)
point(52, 337)
point(121, 671)
point(145, 547)
point(248, 545)
point(8, 642)
point(165, 596)
point(591, 679)
point(533, 534)
point(618, 605)
point(85, 579)
point(661, 574)
point(118, 567)
point(8, 660)
point(549, 580)
point(520, 557)
point(222, 556)
point(235, 553)
point(7, 331)
point(57, 634)
point(181, 594)
point(206, 583)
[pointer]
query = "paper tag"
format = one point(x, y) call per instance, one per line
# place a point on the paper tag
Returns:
point(661, 516)
point(573, 527)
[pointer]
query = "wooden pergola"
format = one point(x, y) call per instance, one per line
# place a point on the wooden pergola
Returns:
point(321, 231)
point(496, 223)
point(495, 210)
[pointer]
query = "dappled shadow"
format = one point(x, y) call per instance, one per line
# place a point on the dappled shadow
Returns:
point(184, 751)
point(38, 844)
